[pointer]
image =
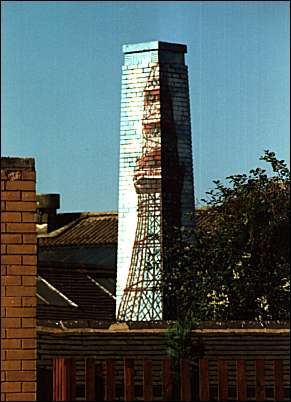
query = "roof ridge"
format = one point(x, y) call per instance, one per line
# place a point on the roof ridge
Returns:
point(58, 231)
point(86, 214)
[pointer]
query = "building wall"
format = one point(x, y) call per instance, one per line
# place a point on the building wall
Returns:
point(160, 67)
point(18, 280)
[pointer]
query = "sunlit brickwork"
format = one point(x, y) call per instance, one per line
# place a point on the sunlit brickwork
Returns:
point(156, 178)
point(18, 280)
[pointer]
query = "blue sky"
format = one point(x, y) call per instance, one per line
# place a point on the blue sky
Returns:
point(61, 85)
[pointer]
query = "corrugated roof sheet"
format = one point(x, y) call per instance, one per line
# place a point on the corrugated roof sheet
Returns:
point(88, 230)
point(81, 287)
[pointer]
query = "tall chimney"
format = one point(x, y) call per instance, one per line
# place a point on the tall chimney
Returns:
point(156, 191)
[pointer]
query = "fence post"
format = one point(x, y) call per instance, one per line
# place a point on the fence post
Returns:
point(55, 375)
point(203, 380)
point(90, 379)
point(167, 379)
point(241, 380)
point(73, 375)
point(44, 384)
point(64, 379)
point(185, 380)
point(223, 380)
point(260, 380)
point(128, 379)
point(147, 380)
point(99, 382)
point(278, 380)
point(109, 382)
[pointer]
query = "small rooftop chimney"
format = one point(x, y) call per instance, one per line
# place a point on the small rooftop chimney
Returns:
point(47, 205)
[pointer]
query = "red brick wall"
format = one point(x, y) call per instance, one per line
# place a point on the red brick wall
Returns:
point(18, 280)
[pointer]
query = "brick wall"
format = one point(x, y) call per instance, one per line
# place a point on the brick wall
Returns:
point(18, 280)
point(230, 341)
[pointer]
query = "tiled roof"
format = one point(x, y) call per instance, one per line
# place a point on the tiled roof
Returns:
point(100, 228)
point(88, 230)
point(96, 229)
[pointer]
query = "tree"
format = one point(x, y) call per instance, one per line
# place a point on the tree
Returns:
point(237, 267)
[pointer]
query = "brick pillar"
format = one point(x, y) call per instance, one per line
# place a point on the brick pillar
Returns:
point(18, 280)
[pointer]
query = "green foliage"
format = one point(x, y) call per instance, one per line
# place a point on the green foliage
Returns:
point(181, 345)
point(237, 267)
